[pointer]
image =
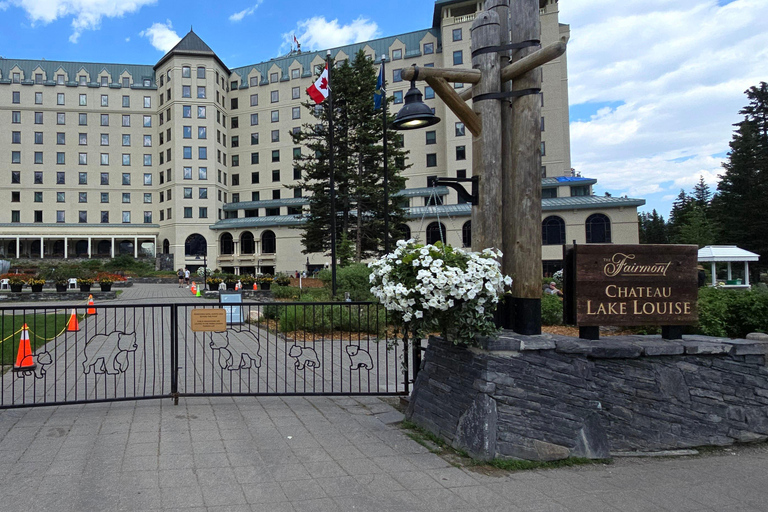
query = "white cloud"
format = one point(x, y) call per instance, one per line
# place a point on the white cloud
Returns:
point(317, 33)
point(161, 36)
point(87, 14)
point(127, 39)
point(678, 72)
point(245, 12)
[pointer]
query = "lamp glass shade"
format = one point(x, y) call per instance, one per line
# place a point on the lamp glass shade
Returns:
point(414, 114)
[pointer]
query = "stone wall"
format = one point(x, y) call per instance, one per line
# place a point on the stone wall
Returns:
point(549, 397)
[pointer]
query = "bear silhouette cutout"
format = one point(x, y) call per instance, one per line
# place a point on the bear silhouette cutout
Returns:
point(234, 361)
point(359, 358)
point(108, 353)
point(305, 357)
point(42, 360)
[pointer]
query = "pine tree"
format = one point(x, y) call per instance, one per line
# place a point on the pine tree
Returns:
point(653, 229)
point(702, 194)
point(358, 165)
point(741, 199)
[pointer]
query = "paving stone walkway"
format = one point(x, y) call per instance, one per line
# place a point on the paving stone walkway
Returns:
point(317, 453)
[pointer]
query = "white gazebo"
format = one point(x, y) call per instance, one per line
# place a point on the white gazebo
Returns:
point(727, 254)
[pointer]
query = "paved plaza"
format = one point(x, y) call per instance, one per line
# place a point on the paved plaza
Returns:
point(317, 453)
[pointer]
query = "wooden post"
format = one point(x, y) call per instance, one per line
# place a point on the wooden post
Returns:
point(486, 148)
point(522, 186)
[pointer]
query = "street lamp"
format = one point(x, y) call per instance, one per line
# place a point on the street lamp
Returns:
point(205, 267)
point(414, 114)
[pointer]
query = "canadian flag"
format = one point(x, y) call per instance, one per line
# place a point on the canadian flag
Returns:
point(319, 90)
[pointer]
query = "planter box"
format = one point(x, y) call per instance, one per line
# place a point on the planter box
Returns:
point(85, 287)
point(61, 288)
point(16, 288)
point(36, 288)
point(106, 287)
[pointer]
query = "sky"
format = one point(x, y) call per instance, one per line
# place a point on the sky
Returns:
point(655, 86)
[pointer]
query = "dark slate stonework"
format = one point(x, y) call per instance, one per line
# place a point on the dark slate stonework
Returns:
point(550, 397)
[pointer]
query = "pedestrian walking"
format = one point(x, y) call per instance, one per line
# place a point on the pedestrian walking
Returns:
point(186, 277)
point(180, 274)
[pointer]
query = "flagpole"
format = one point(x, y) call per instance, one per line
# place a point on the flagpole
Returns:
point(386, 171)
point(332, 181)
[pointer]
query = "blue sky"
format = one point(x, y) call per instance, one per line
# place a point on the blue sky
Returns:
point(654, 85)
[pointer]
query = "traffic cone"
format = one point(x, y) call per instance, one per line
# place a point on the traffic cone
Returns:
point(72, 325)
point(193, 288)
point(198, 294)
point(91, 309)
point(255, 287)
point(25, 359)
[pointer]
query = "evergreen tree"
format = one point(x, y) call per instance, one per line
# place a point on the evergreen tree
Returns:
point(681, 206)
point(702, 194)
point(358, 165)
point(653, 229)
point(741, 199)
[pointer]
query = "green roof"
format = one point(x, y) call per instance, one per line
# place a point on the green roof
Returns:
point(53, 67)
point(267, 203)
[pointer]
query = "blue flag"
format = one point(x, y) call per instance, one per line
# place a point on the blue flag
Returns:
point(378, 94)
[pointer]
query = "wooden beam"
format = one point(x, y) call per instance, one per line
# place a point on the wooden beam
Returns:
point(526, 64)
point(465, 114)
point(471, 76)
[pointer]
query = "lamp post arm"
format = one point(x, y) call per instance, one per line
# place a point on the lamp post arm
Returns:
point(471, 76)
point(446, 93)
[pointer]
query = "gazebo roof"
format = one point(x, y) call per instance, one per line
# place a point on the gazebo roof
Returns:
point(726, 253)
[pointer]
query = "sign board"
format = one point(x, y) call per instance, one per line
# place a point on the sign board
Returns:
point(207, 320)
point(228, 299)
point(609, 284)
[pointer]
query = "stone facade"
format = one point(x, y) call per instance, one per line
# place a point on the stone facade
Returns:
point(550, 397)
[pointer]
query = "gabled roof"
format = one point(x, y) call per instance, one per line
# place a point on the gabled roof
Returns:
point(726, 253)
point(191, 44)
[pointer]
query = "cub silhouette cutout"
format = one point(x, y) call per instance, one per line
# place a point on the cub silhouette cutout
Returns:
point(227, 359)
point(108, 353)
point(42, 360)
point(359, 358)
point(305, 357)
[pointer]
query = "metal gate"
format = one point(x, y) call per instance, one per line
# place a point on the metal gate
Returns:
point(150, 351)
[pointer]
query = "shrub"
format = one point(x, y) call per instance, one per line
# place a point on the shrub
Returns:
point(354, 278)
point(732, 313)
point(551, 310)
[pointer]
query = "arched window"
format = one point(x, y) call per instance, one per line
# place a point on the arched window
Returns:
point(58, 248)
point(104, 247)
point(598, 229)
point(268, 244)
point(466, 234)
point(225, 244)
point(195, 245)
point(553, 231)
point(81, 248)
point(405, 232)
point(125, 247)
point(166, 246)
point(247, 245)
point(435, 233)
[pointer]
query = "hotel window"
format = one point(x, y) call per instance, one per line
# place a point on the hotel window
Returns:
point(456, 34)
point(60, 178)
point(104, 159)
point(147, 141)
point(397, 54)
point(38, 157)
point(105, 197)
point(398, 97)
point(429, 48)
point(16, 176)
point(234, 123)
point(82, 197)
point(104, 119)
point(233, 103)
point(60, 158)
point(126, 197)
point(147, 122)
point(202, 193)
point(397, 75)
point(61, 197)
point(254, 100)
point(147, 217)
point(273, 77)
point(104, 100)
point(254, 81)
point(186, 132)
point(104, 178)
point(297, 153)
point(274, 96)
point(126, 217)
point(83, 139)
point(126, 159)
point(82, 178)
point(429, 93)
point(147, 178)
point(458, 58)
point(543, 148)
point(542, 123)
point(104, 81)
point(147, 160)
point(296, 113)
point(235, 160)
point(126, 122)
point(60, 138)
point(186, 111)
point(16, 97)
point(60, 98)
point(147, 197)
point(38, 137)
point(202, 153)
point(105, 217)
point(254, 119)
point(187, 192)
point(202, 133)
point(461, 153)
point(187, 173)
point(432, 160)
point(15, 117)
point(105, 139)
point(187, 212)
point(431, 137)
point(15, 157)
point(38, 118)
point(81, 80)
point(186, 91)
point(275, 155)
point(187, 152)
point(126, 82)
point(126, 139)
point(201, 91)
point(254, 158)
point(275, 116)
point(235, 141)
point(275, 175)
point(147, 102)
point(83, 100)
point(459, 127)
point(254, 177)
point(275, 135)
point(200, 72)
point(82, 119)
point(201, 112)
point(15, 197)
point(202, 173)
point(296, 173)
point(186, 72)
point(38, 197)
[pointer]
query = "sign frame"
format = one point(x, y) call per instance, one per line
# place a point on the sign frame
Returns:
point(229, 300)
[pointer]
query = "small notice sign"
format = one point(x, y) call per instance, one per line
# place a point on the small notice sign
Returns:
point(209, 320)
point(228, 301)
point(631, 284)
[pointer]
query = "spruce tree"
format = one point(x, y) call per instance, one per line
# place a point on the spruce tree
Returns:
point(653, 229)
point(358, 165)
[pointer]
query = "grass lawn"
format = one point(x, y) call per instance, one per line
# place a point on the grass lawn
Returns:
point(42, 329)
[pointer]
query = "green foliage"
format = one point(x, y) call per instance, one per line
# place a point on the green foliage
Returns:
point(297, 294)
point(358, 165)
point(345, 251)
point(354, 279)
point(326, 318)
point(653, 229)
point(551, 310)
point(732, 313)
point(130, 265)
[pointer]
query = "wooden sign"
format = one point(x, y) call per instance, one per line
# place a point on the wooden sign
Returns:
point(207, 320)
point(631, 284)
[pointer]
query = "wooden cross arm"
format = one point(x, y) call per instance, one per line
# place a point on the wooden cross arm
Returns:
point(471, 76)
point(524, 65)
point(459, 107)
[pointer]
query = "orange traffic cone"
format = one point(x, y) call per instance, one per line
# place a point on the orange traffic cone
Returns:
point(193, 288)
point(91, 309)
point(255, 287)
point(72, 325)
point(25, 359)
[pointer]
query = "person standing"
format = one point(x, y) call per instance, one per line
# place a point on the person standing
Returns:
point(180, 274)
point(186, 277)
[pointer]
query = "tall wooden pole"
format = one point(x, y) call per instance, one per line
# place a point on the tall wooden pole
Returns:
point(522, 186)
point(486, 148)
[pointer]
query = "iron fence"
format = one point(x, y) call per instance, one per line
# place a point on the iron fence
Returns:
point(54, 355)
